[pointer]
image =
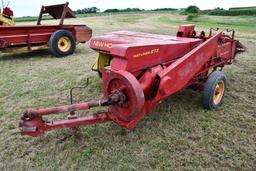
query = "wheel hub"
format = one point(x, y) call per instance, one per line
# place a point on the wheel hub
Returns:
point(64, 44)
point(219, 92)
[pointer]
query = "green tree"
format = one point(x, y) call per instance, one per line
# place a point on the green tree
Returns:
point(192, 9)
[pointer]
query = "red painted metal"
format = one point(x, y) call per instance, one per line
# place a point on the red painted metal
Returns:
point(34, 35)
point(59, 11)
point(186, 31)
point(145, 70)
point(15, 36)
point(37, 126)
point(135, 47)
point(7, 11)
point(127, 83)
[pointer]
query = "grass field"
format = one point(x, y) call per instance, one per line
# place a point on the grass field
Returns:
point(178, 135)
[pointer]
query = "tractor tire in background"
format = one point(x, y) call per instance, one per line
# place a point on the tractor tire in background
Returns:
point(62, 43)
point(214, 90)
point(99, 74)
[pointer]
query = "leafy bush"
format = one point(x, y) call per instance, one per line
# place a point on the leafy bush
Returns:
point(190, 17)
point(233, 12)
point(242, 8)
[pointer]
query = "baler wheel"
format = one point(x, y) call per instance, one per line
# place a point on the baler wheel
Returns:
point(62, 43)
point(214, 90)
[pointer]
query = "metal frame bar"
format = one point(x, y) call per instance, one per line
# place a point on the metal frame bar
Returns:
point(43, 11)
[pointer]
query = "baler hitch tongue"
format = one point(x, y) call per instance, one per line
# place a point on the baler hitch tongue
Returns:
point(33, 124)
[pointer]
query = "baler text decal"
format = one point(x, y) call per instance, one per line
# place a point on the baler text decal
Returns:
point(150, 52)
point(102, 44)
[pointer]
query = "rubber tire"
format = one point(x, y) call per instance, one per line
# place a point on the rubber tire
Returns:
point(209, 89)
point(99, 74)
point(53, 43)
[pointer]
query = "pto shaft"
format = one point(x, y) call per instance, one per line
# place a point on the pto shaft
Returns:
point(115, 97)
point(30, 113)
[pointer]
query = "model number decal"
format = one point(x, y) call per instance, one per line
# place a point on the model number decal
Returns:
point(102, 44)
point(150, 52)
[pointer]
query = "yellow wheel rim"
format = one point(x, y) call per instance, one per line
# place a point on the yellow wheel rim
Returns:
point(218, 92)
point(64, 44)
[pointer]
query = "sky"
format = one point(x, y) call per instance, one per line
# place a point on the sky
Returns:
point(32, 7)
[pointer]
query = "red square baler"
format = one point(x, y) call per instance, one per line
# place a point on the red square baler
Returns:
point(140, 70)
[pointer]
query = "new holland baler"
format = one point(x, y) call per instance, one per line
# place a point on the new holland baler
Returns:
point(141, 70)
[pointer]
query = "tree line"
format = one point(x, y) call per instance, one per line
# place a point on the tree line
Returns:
point(95, 10)
point(189, 10)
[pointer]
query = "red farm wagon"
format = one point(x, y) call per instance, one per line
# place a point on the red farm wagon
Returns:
point(61, 39)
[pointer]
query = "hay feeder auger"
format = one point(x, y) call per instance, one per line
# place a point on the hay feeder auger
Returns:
point(145, 69)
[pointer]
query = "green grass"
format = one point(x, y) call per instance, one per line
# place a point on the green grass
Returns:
point(178, 135)
point(31, 18)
